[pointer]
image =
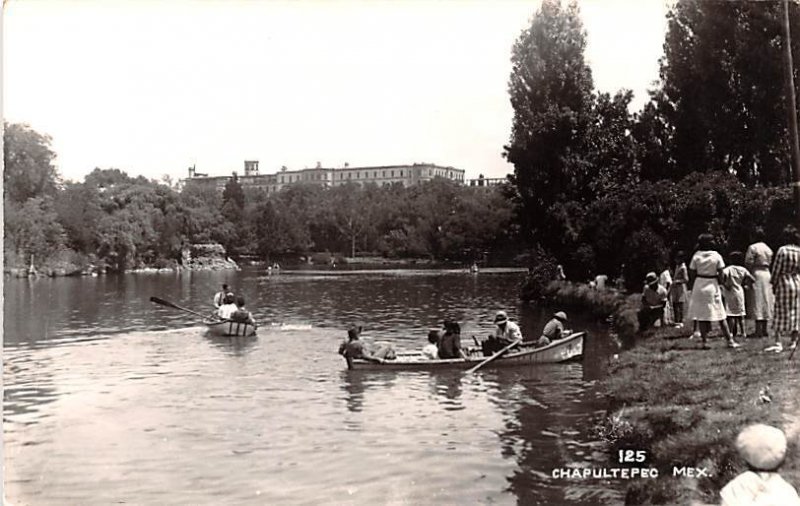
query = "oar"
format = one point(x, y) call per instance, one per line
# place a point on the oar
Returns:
point(495, 356)
point(173, 305)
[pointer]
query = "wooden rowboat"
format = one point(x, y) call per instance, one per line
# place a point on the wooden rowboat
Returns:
point(564, 350)
point(229, 328)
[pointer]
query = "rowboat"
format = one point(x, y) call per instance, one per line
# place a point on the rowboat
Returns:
point(564, 350)
point(229, 328)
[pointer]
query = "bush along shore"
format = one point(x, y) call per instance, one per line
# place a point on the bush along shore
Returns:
point(684, 406)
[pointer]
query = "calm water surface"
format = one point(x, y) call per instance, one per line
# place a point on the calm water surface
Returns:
point(112, 399)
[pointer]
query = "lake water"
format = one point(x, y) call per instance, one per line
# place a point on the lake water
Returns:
point(110, 398)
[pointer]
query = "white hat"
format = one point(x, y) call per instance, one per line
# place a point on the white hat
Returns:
point(501, 317)
point(762, 446)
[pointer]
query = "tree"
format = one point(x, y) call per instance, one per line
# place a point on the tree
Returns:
point(721, 96)
point(551, 93)
point(233, 194)
point(29, 171)
point(32, 228)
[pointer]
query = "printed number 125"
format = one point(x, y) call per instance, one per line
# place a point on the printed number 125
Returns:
point(632, 456)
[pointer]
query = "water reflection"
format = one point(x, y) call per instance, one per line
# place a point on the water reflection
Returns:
point(447, 384)
point(97, 363)
point(353, 384)
point(236, 345)
point(548, 424)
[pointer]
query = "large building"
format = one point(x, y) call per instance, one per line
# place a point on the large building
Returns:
point(383, 175)
point(486, 182)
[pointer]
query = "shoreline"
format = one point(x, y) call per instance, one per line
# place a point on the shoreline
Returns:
point(684, 406)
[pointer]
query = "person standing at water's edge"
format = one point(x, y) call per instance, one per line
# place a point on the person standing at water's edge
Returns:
point(759, 300)
point(705, 271)
point(786, 286)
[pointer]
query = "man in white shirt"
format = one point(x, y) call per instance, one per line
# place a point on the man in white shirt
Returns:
point(228, 307)
point(507, 330)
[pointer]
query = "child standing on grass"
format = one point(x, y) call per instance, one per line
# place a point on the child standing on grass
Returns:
point(735, 278)
point(763, 448)
point(677, 290)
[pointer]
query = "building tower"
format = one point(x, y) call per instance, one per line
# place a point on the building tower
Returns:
point(251, 167)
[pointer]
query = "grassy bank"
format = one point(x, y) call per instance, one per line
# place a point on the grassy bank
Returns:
point(685, 406)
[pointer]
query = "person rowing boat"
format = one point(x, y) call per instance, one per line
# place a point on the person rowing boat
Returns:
point(554, 329)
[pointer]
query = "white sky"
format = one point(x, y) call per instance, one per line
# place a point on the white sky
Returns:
point(152, 87)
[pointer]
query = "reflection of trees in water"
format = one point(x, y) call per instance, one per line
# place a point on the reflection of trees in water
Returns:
point(28, 387)
point(546, 427)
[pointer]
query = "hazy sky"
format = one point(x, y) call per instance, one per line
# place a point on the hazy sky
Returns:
point(152, 87)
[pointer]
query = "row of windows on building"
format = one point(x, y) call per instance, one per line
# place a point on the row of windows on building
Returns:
point(321, 177)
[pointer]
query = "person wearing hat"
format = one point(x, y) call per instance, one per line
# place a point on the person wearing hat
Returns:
point(507, 331)
point(654, 299)
point(763, 448)
point(554, 329)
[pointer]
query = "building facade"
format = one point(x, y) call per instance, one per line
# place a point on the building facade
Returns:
point(384, 175)
point(486, 182)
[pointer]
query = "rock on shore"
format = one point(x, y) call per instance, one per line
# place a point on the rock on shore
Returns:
point(206, 257)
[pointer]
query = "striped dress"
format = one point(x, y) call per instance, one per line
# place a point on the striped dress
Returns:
point(786, 284)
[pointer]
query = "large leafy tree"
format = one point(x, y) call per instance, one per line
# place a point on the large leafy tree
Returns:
point(722, 97)
point(551, 92)
point(29, 171)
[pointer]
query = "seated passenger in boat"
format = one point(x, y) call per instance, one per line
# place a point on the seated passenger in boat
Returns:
point(219, 297)
point(242, 315)
point(554, 329)
point(431, 350)
point(356, 348)
point(507, 331)
point(228, 307)
point(450, 342)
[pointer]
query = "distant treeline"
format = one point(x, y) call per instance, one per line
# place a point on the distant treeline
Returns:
point(602, 190)
point(122, 222)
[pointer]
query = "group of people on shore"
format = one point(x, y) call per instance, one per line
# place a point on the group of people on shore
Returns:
point(231, 307)
point(755, 285)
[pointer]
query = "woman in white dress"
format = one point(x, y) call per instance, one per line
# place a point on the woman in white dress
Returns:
point(705, 272)
point(760, 299)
